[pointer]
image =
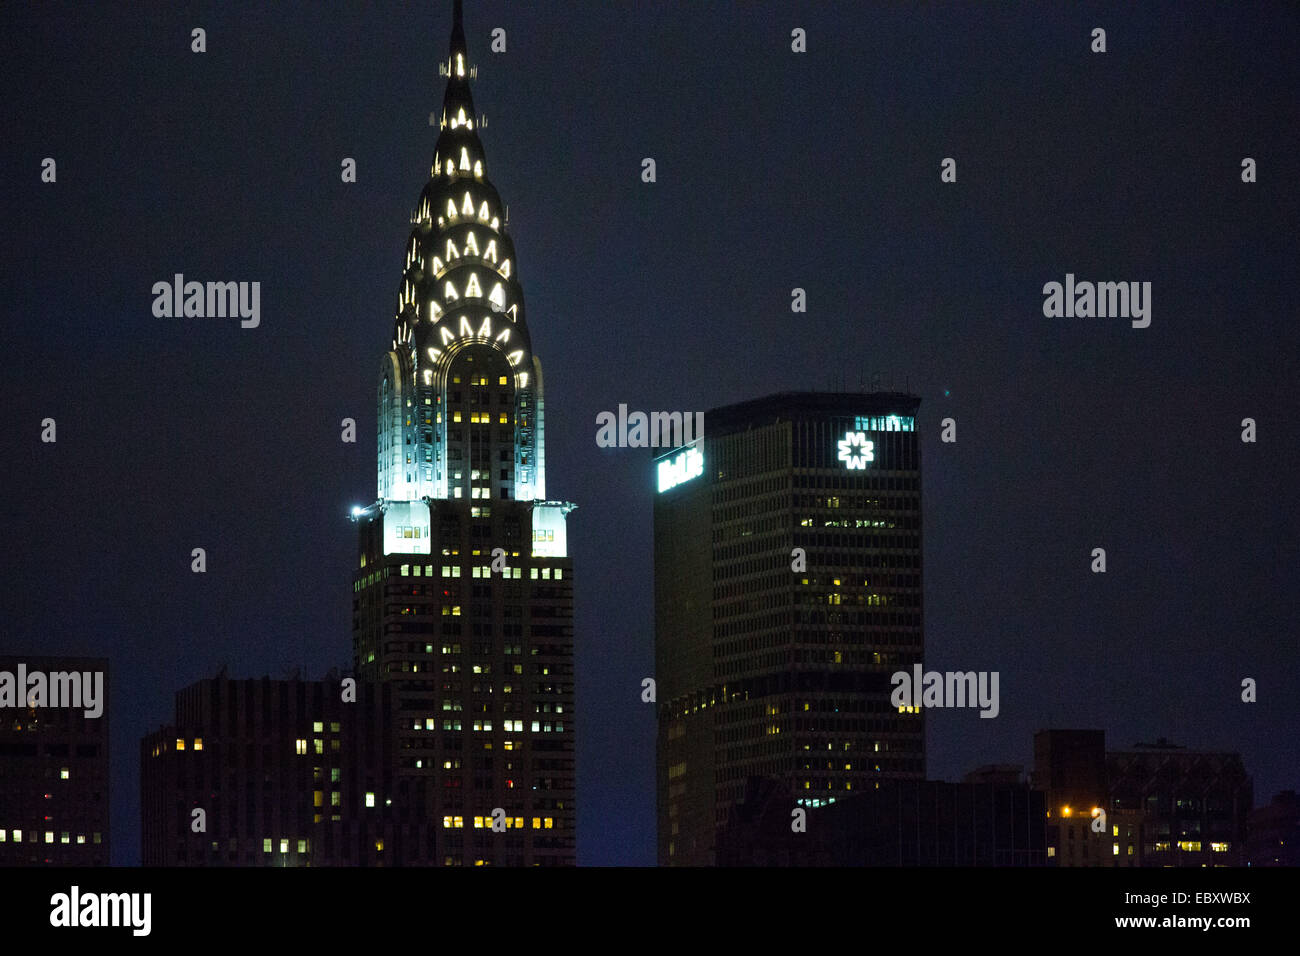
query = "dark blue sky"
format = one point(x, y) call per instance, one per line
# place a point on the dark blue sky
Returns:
point(775, 170)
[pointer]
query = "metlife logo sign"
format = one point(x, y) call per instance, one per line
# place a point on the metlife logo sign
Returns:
point(682, 467)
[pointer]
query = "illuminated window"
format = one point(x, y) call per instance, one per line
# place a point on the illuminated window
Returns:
point(284, 845)
point(302, 846)
point(198, 743)
point(300, 745)
point(63, 773)
point(370, 799)
point(266, 845)
point(180, 744)
point(336, 798)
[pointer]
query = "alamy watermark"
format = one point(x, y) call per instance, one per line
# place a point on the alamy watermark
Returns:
point(652, 430)
point(1102, 300)
point(77, 909)
point(25, 688)
point(209, 300)
point(946, 689)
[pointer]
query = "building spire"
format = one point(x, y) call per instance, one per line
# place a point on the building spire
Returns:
point(459, 302)
point(459, 72)
point(457, 27)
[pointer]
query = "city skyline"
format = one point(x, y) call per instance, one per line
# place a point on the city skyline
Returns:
point(1072, 433)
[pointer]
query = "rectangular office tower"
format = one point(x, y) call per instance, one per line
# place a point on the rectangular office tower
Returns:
point(279, 773)
point(54, 794)
point(787, 591)
point(463, 594)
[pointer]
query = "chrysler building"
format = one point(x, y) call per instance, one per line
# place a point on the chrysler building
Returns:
point(463, 589)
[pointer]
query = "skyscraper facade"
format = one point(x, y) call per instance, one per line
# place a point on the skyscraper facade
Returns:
point(279, 773)
point(54, 784)
point(463, 595)
point(1164, 805)
point(787, 591)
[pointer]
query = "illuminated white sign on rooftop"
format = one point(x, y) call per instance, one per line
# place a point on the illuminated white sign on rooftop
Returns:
point(683, 466)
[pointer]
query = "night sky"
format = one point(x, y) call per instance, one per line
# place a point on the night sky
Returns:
point(775, 170)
